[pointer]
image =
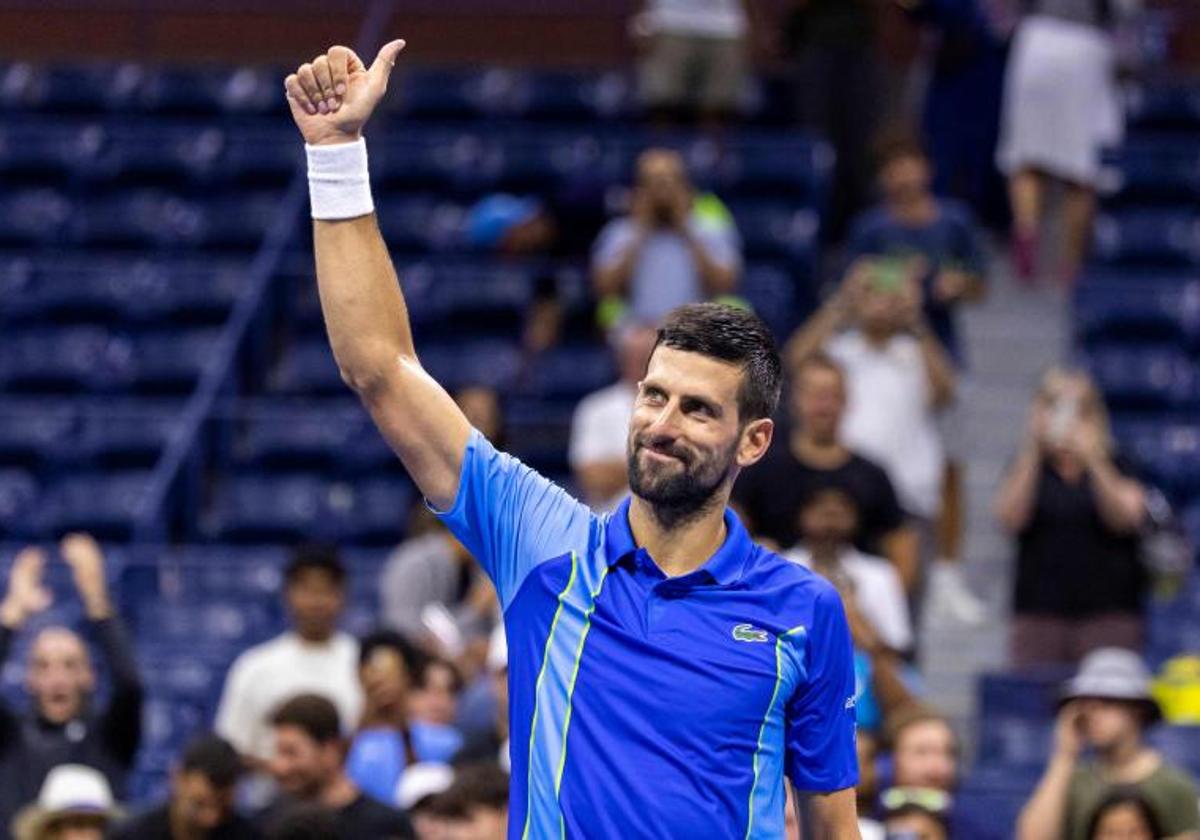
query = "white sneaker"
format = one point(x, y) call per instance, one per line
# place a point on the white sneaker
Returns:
point(949, 597)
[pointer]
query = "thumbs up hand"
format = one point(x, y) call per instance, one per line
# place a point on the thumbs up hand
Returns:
point(334, 95)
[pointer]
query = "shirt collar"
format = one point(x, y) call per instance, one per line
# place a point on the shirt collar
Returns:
point(726, 566)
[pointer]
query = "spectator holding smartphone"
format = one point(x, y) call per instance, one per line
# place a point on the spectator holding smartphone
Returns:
point(1075, 509)
point(898, 377)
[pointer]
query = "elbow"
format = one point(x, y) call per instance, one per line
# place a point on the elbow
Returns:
point(366, 371)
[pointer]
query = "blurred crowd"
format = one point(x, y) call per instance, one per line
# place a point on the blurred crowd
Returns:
point(404, 732)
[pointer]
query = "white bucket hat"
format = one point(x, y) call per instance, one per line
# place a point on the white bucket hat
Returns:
point(1113, 674)
point(69, 790)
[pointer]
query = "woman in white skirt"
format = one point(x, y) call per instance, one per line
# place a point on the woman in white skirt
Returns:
point(1061, 109)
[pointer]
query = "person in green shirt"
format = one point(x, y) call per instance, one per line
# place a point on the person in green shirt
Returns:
point(1107, 709)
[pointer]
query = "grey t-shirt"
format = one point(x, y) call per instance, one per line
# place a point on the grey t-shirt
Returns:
point(665, 275)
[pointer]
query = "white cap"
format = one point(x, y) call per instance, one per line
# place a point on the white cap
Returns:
point(427, 778)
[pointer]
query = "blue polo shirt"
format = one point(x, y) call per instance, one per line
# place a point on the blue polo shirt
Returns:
point(648, 706)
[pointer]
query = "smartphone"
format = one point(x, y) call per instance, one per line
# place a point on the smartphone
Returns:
point(889, 275)
point(1064, 414)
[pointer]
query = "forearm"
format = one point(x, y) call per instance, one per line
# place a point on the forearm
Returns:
point(902, 548)
point(1045, 813)
point(1018, 493)
point(118, 653)
point(365, 313)
point(716, 277)
point(812, 335)
point(938, 367)
point(613, 276)
point(832, 816)
point(1121, 502)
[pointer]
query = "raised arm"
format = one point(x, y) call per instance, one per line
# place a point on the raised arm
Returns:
point(25, 597)
point(121, 723)
point(331, 99)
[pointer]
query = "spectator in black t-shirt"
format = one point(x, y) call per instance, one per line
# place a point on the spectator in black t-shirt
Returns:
point(810, 458)
point(308, 767)
point(1072, 503)
point(64, 726)
point(201, 802)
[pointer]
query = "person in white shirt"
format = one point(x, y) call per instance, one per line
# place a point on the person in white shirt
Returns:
point(312, 657)
point(898, 378)
point(599, 429)
point(828, 521)
point(694, 61)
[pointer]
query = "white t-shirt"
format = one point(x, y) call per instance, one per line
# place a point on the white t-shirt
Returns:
point(890, 416)
point(265, 676)
point(878, 591)
point(710, 18)
point(600, 427)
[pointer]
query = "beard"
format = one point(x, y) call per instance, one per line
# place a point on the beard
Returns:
point(682, 491)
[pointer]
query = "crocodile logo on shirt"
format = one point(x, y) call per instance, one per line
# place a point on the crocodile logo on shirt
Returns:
point(749, 633)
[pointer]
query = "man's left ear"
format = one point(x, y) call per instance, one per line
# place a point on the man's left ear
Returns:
point(756, 440)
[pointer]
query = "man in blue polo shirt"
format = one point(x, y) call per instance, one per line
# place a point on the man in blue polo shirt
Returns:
point(665, 672)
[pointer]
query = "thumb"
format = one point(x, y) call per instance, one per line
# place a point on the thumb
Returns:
point(381, 68)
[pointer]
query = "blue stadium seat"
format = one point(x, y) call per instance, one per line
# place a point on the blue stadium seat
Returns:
point(538, 432)
point(989, 801)
point(141, 219)
point(56, 360)
point(569, 372)
point(252, 508)
point(104, 504)
point(771, 292)
point(372, 510)
point(422, 224)
point(565, 95)
point(229, 622)
point(775, 230)
point(37, 432)
point(19, 492)
point(34, 217)
point(1169, 456)
point(1147, 236)
point(1180, 745)
point(453, 94)
point(308, 367)
point(488, 362)
point(1143, 378)
point(1137, 308)
point(1164, 106)
point(125, 434)
point(1155, 168)
point(1016, 715)
point(337, 436)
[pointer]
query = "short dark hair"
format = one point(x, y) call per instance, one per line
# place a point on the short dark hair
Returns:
point(428, 663)
point(390, 640)
point(895, 143)
point(312, 714)
point(730, 334)
point(477, 785)
point(1120, 797)
point(318, 557)
point(214, 758)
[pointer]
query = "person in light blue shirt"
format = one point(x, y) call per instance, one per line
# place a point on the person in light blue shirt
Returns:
point(666, 674)
point(671, 249)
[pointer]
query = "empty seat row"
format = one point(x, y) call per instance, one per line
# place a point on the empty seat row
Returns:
point(80, 433)
point(466, 94)
point(305, 507)
point(1154, 167)
point(100, 360)
point(1138, 305)
point(444, 158)
point(105, 503)
point(1154, 235)
point(117, 290)
point(1145, 377)
point(143, 219)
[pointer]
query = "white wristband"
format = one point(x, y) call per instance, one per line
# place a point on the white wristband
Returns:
point(339, 186)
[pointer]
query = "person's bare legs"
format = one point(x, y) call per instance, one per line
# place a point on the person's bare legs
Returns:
point(1026, 194)
point(1079, 206)
point(950, 523)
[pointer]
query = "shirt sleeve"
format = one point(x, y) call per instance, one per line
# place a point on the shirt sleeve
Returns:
point(611, 243)
point(511, 518)
point(235, 718)
point(589, 437)
point(122, 721)
point(821, 756)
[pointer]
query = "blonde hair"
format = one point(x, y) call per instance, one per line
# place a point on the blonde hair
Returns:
point(1091, 406)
